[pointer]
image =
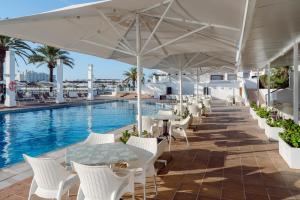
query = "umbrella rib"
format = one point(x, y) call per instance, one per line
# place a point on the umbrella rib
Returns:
point(116, 30)
point(178, 38)
point(153, 7)
point(108, 47)
point(154, 36)
point(203, 61)
point(191, 60)
point(157, 25)
point(193, 22)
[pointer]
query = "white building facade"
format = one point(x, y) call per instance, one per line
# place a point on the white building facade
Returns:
point(32, 76)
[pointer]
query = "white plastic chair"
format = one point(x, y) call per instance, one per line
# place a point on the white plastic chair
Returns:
point(144, 169)
point(206, 103)
point(179, 129)
point(50, 180)
point(100, 182)
point(149, 125)
point(194, 110)
point(96, 138)
point(229, 100)
point(238, 100)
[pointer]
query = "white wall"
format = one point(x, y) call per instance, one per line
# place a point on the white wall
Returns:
point(159, 88)
point(220, 89)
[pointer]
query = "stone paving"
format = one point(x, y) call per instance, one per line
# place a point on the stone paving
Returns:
point(229, 158)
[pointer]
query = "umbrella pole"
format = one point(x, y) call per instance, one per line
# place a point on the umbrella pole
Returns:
point(197, 86)
point(180, 89)
point(139, 74)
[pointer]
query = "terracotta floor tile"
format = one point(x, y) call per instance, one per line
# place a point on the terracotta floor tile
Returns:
point(229, 158)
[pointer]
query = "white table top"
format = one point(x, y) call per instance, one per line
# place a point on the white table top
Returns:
point(105, 154)
point(165, 117)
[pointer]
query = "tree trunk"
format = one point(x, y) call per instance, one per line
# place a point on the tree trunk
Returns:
point(133, 85)
point(2, 60)
point(50, 76)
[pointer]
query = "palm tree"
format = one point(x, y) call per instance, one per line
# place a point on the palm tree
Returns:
point(131, 77)
point(46, 55)
point(20, 48)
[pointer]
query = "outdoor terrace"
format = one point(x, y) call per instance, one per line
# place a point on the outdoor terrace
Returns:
point(228, 158)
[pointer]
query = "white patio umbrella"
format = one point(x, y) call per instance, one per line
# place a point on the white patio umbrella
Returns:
point(139, 32)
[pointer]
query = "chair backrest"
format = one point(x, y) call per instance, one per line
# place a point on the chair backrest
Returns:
point(96, 138)
point(97, 182)
point(206, 102)
point(194, 109)
point(147, 123)
point(185, 122)
point(47, 172)
point(165, 112)
point(148, 144)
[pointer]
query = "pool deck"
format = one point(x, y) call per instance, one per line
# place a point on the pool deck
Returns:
point(229, 158)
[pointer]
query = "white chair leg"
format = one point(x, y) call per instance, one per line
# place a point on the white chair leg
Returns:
point(155, 185)
point(80, 195)
point(144, 188)
point(187, 141)
point(32, 189)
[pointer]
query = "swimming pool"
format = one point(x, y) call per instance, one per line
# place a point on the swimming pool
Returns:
point(41, 131)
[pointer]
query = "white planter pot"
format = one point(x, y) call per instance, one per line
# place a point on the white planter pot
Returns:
point(289, 154)
point(161, 147)
point(273, 132)
point(253, 113)
point(262, 122)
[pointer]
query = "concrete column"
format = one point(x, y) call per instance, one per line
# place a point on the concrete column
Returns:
point(257, 87)
point(296, 85)
point(90, 96)
point(90, 118)
point(59, 82)
point(180, 90)
point(269, 85)
point(10, 97)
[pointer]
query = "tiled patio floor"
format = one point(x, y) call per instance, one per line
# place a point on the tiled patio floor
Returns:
point(228, 158)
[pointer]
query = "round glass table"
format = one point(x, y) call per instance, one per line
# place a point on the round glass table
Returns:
point(105, 154)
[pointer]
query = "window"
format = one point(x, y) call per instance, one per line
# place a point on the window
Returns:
point(216, 77)
point(231, 77)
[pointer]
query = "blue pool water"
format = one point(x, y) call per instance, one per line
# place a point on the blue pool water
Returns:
point(38, 132)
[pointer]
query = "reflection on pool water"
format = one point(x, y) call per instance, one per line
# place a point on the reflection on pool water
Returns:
point(38, 132)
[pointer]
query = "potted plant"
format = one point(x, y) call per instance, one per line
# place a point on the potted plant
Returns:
point(161, 146)
point(262, 115)
point(273, 128)
point(289, 144)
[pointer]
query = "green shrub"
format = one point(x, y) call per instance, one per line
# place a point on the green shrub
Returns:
point(253, 106)
point(275, 122)
point(291, 137)
point(262, 112)
point(289, 124)
point(279, 78)
point(127, 134)
point(291, 133)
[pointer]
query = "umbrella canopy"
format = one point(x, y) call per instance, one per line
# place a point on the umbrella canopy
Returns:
point(272, 27)
point(108, 28)
point(217, 62)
